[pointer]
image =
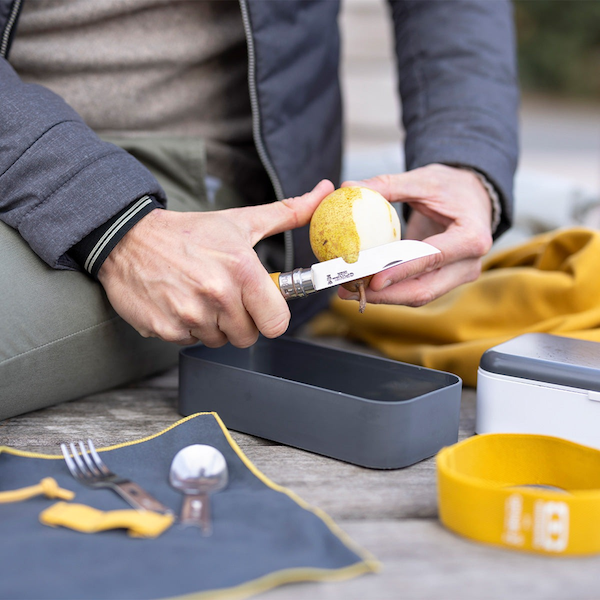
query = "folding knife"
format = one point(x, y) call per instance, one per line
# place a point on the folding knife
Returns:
point(301, 282)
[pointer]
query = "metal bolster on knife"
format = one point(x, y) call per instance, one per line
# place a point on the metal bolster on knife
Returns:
point(294, 284)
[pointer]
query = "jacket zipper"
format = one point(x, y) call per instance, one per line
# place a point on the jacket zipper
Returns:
point(9, 26)
point(256, 131)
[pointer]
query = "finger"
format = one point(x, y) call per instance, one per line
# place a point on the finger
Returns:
point(459, 243)
point(456, 244)
point(167, 331)
point(407, 270)
point(424, 182)
point(210, 335)
point(424, 288)
point(266, 306)
point(268, 219)
point(188, 340)
point(224, 320)
point(398, 187)
point(238, 327)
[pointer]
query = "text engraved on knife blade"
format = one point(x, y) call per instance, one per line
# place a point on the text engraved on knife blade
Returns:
point(339, 277)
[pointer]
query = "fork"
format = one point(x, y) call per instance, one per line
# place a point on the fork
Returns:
point(90, 470)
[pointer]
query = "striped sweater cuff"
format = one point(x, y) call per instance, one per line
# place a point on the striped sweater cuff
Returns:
point(91, 252)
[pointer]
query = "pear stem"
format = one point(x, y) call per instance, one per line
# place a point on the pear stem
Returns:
point(362, 297)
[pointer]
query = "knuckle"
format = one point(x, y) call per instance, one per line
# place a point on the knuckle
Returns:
point(422, 297)
point(188, 317)
point(216, 291)
point(276, 325)
point(246, 341)
point(145, 333)
point(481, 244)
point(435, 261)
point(243, 262)
point(384, 181)
point(211, 342)
point(436, 182)
point(244, 267)
point(189, 314)
point(474, 273)
point(171, 334)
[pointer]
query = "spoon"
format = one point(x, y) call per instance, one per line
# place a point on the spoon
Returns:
point(198, 471)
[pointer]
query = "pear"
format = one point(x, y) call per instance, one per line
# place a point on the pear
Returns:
point(349, 220)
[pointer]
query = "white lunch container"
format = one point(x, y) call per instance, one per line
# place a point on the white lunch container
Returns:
point(541, 383)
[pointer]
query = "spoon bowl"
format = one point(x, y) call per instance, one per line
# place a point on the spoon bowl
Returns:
point(198, 471)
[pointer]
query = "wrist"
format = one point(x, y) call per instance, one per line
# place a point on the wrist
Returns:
point(126, 251)
point(490, 191)
point(492, 195)
point(94, 249)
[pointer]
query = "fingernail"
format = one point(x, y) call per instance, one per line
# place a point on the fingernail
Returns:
point(386, 283)
point(352, 297)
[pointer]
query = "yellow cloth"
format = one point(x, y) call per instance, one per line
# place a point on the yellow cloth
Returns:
point(47, 486)
point(550, 284)
point(139, 523)
point(489, 490)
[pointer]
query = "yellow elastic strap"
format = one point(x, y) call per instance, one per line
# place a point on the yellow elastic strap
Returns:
point(139, 523)
point(489, 491)
point(47, 487)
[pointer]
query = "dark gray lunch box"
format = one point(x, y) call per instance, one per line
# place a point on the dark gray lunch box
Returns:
point(358, 408)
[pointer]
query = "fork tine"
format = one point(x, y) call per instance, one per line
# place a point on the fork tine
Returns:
point(97, 460)
point(89, 469)
point(70, 464)
point(88, 461)
point(81, 468)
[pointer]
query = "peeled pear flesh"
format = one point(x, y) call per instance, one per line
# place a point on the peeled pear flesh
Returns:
point(350, 220)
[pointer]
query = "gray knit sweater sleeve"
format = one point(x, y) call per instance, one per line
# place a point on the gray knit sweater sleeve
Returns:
point(58, 180)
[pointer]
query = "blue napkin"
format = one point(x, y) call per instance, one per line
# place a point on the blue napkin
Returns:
point(263, 535)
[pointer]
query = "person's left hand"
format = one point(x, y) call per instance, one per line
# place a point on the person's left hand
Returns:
point(452, 211)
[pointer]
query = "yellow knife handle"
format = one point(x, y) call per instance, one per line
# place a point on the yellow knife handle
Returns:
point(294, 284)
point(275, 278)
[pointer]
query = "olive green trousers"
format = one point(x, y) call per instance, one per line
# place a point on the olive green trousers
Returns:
point(60, 339)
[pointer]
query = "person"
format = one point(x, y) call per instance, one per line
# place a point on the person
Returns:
point(229, 114)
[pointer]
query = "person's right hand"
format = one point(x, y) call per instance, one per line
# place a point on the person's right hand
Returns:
point(189, 277)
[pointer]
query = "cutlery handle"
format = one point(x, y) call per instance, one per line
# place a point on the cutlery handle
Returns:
point(196, 511)
point(140, 498)
point(294, 284)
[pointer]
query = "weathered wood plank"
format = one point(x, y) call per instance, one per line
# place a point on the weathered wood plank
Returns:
point(109, 418)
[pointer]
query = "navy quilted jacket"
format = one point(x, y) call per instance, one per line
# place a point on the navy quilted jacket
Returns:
point(457, 80)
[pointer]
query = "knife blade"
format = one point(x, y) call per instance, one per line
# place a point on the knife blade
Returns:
point(301, 282)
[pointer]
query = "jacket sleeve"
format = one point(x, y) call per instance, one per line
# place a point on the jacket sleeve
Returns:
point(58, 180)
point(458, 82)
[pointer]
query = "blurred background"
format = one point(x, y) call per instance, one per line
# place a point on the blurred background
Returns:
point(558, 180)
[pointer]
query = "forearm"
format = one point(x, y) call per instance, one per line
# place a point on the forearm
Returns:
point(59, 181)
point(458, 83)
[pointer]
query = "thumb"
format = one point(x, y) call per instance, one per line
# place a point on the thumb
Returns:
point(268, 219)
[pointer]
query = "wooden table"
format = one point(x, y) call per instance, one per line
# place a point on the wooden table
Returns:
point(393, 514)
